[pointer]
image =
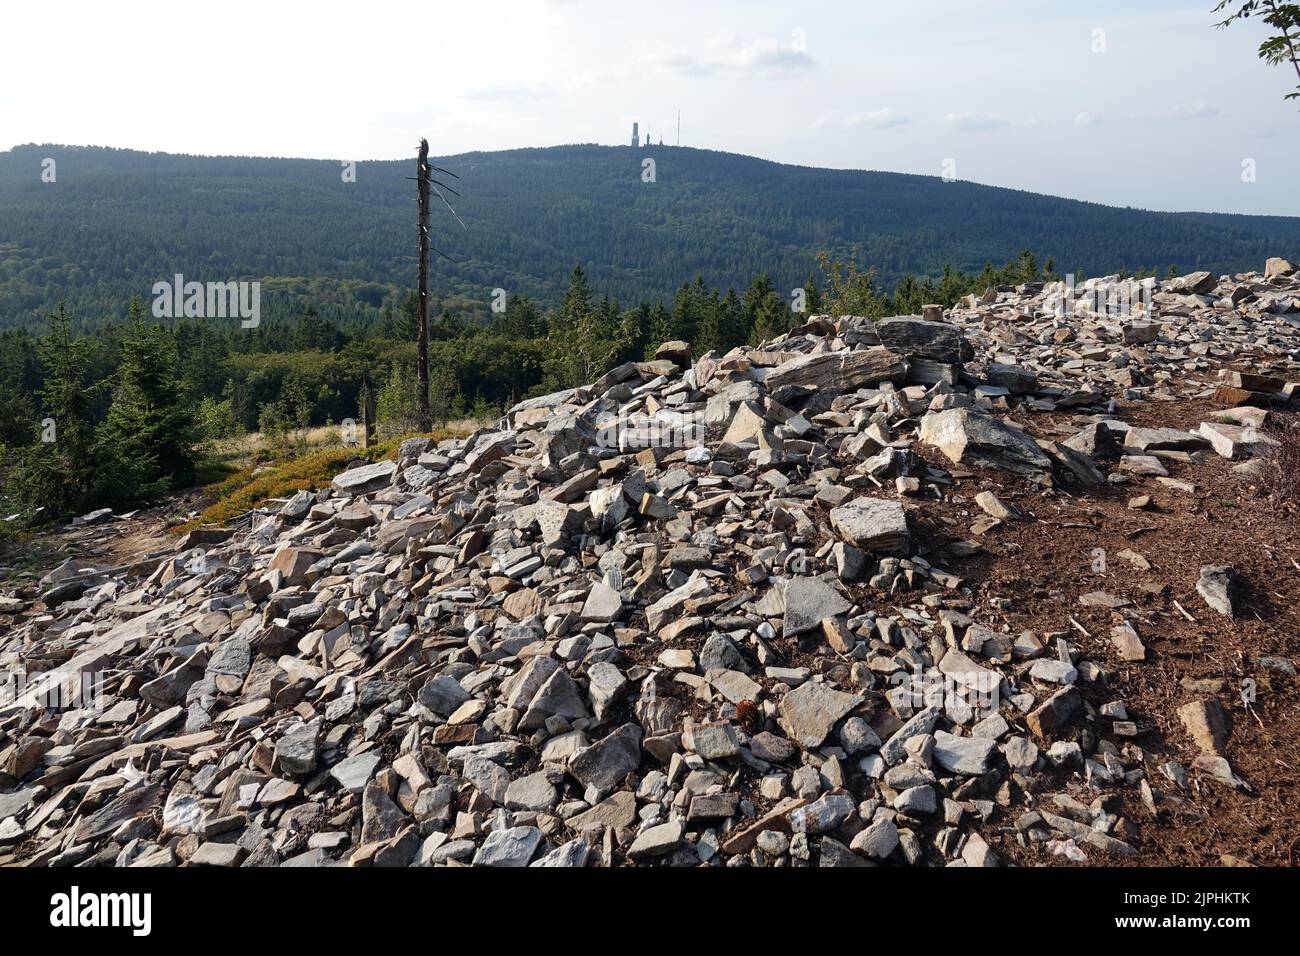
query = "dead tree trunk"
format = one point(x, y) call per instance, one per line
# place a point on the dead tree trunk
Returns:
point(367, 415)
point(422, 187)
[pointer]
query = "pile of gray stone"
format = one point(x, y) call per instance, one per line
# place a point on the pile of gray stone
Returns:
point(691, 614)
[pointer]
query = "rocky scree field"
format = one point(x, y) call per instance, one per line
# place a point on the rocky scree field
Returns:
point(1010, 584)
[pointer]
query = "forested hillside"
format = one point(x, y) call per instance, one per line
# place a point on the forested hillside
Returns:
point(142, 407)
point(115, 221)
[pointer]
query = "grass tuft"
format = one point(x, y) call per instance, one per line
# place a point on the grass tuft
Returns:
point(244, 489)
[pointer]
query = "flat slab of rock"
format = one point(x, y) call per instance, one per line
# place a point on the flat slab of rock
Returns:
point(1206, 723)
point(912, 336)
point(657, 841)
point(969, 438)
point(841, 371)
point(878, 525)
point(810, 711)
point(133, 803)
point(964, 755)
point(355, 772)
point(366, 477)
point(1237, 441)
point(514, 846)
point(808, 602)
point(617, 810)
point(1163, 439)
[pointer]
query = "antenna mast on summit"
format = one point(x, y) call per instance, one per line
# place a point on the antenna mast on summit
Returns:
point(679, 127)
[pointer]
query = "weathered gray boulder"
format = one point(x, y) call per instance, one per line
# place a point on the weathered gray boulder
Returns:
point(841, 371)
point(1016, 379)
point(878, 525)
point(366, 477)
point(969, 438)
point(1276, 267)
point(810, 711)
point(911, 336)
point(808, 602)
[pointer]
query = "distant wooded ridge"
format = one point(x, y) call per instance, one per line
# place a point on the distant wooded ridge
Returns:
point(114, 222)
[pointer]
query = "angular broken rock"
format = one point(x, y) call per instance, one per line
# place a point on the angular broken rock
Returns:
point(1235, 442)
point(514, 846)
point(1277, 267)
point(533, 792)
point(1217, 585)
point(1128, 645)
point(969, 438)
point(842, 371)
point(603, 604)
point(606, 686)
point(1207, 724)
point(808, 602)
point(1054, 714)
point(1163, 439)
point(657, 841)
point(965, 755)
point(443, 694)
point(604, 764)
point(130, 805)
point(922, 722)
point(878, 525)
point(1075, 467)
point(295, 752)
point(353, 773)
point(911, 336)
point(1014, 378)
point(993, 506)
point(366, 477)
point(810, 711)
point(877, 841)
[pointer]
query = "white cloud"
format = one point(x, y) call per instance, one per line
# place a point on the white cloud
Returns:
point(972, 121)
point(766, 56)
point(873, 119)
point(1196, 110)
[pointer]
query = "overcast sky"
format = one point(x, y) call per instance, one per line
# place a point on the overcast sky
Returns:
point(1157, 110)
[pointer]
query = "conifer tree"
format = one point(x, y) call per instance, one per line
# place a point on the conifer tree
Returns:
point(756, 295)
point(773, 319)
point(813, 296)
point(578, 341)
point(145, 446)
point(520, 320)
point(734, 328)
point(57, 468)
point(635, 329)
